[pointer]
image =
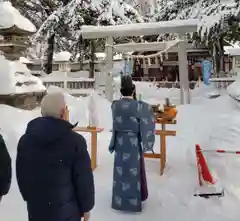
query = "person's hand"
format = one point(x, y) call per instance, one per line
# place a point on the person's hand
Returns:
point(86, 216)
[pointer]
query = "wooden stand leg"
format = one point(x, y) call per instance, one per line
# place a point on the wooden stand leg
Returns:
point(94, 150)
point(163, 151)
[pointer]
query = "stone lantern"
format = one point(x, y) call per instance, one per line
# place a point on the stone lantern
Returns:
point(15, 30)
point(20, 88)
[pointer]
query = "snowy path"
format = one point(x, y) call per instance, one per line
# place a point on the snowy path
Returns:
point(213, 124)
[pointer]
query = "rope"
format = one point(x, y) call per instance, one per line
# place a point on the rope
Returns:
point(158, 54)
point(221, 151)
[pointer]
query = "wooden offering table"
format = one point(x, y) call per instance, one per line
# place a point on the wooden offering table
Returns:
point(94, 132)
point(162, 133)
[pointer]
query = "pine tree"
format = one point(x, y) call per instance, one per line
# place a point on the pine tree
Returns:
point(79, 12)
point(216, 20)
point(38, 12)
point(213, 14)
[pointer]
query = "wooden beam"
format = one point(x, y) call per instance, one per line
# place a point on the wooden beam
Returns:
point(165, 133)
point(152, 155)
point(163, 121)
point(94, 132)
point(88, 129)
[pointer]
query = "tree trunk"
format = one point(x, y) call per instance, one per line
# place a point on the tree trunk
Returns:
point(81, 48)
point(92, 58)
point(217, 58)
point(214, 58)
point(49, 62)
point(221, 53)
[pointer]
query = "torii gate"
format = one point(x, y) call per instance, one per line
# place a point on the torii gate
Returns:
point(180, 27)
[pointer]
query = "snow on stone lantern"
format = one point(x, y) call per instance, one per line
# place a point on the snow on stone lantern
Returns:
point(63, 61)
point(18, 87)
point(15, 30)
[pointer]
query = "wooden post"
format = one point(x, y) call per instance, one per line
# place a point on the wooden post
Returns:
point(162, 155)
point(163, 150)
point(94, 150)
point(109, 65)
point(94, 132)
point(67, 117)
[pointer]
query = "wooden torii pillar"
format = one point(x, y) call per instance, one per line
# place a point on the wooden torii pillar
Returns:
point(109, 90)
point(183, 74)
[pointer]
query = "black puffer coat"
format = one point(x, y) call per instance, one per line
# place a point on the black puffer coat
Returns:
point(5, 169)
point(54, 171)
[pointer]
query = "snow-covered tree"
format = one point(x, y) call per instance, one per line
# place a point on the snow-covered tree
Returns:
point(213, 14)
point(79, 12)
point(38, 11)
point(72, 16)
point(217, 19)
point(169, 10)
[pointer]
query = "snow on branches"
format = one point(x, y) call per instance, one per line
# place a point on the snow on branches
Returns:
point(214, 15)
point(79, 12)
point(65, 22)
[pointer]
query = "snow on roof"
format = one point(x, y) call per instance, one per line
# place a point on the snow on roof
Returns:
point(100, 54)
point(232, 51)
point(117, 57)
point(15, 78)
point(10, 16)
point(25, 60)
point(174, 26)
point(63, 56)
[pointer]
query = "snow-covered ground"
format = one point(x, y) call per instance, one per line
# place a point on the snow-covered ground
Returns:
point(213, 123)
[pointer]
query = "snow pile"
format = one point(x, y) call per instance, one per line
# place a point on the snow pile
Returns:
point(234, 89)
point(25, 60)
point(235, 72)
point(10, 16)
point(93, 117)
point(153, 95)
point(18, 118)
point(79, 108)
point(16, 78)
point(213, 124)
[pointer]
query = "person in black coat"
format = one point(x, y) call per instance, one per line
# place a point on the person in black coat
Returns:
point(53, 166)
point(5, 169)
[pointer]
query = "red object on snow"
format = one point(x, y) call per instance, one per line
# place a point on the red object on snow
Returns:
point(204, 173)
point(221, 151)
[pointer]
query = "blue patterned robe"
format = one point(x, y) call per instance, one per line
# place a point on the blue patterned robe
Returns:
point(133, 133)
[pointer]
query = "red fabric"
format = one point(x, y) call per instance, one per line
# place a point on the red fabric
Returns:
point(203, 170)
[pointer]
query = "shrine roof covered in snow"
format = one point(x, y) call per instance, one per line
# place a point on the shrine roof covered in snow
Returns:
point(174, 26)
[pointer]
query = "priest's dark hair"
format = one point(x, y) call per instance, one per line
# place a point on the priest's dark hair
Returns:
point(127, 86)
